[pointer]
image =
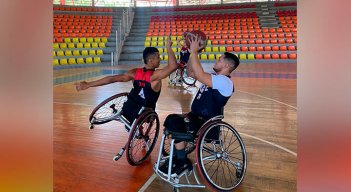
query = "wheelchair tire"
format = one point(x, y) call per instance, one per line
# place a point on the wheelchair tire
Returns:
point(221, 162)
point(149, 124)
point(186, 79)
point(172, 77)
point(107, 109)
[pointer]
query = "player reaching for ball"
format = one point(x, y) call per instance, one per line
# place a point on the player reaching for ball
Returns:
point(214, 93)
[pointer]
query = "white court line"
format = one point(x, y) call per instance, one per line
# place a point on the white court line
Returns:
point(269, 99)
point(81, 104)
point(273, 144)
point(148, 182)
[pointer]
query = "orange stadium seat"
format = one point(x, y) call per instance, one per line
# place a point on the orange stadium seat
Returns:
point(291, 48)
point(237, 49)
point(275, 48)
point(292, 56)
point(252, 48)
point(258, 56)
point(275, 56)
point(267, 56)
point(259, 48)
point(283, 56)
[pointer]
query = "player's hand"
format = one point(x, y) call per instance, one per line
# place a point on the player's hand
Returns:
point(81, 86)
point(195, 44)
point(169, 42)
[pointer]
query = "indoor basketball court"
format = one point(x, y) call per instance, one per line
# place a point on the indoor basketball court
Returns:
point(263, 108)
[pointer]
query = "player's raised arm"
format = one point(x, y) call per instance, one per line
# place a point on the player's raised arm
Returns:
point(197, 70)
point(171, 65)
point(106, 80)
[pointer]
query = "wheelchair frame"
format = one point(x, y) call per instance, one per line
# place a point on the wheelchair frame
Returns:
point(174, 179)
point(179, 73)
point(134, 129)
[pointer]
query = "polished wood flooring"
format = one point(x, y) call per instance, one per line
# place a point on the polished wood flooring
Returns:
point(263, 110)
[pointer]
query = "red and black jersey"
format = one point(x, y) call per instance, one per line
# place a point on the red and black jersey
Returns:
point(142, 93)
point(184, 55)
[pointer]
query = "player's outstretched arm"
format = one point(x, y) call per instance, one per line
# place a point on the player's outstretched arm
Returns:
point(197, 70)
point(129, 75)
point(171, 65)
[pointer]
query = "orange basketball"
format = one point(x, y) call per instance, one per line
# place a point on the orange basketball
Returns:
point(200, 34)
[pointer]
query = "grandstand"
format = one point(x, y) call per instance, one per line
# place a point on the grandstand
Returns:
point(254, 31)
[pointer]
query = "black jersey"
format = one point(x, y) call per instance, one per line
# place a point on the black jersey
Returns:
point(142, 93)
point(208, 102)
point(184, 55)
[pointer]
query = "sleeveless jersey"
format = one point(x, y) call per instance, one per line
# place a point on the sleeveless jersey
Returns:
point(208, 102)
point(184, 55)
point(142, 93)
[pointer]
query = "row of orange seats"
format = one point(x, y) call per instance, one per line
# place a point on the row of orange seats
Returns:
point(241, 34)
point(87, 9)
point(82, 20)
point(71, 16)
point(252, 36)
point(261, 48)
point(59, 39)
point(83, 23)
point(249, 29)
point(82, 30)
point(82, 27)
point(288, 17)
point(206, 16)
point(243, 6)
point(225, 20)
point(206, 25)
point(257, 41)
point(81, 33)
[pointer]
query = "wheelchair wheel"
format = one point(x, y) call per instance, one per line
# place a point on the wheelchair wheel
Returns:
point(107, 109)
point(186, 79)
point(142, 138)
point(167, 144)
point(173, 77)
point(221, 156)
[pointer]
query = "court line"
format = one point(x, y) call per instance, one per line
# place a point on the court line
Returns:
point(153, 176)
point(268, 99)
point(270, 143)
point(148, 182)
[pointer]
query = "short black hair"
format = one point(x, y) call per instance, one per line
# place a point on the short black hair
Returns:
point(149, 51)
point(233, 60)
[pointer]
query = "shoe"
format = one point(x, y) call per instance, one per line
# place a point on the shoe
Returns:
point(182, 166)
point(178, 166)
point(164, 168)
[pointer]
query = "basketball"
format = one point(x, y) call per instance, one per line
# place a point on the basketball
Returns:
point(200, 34)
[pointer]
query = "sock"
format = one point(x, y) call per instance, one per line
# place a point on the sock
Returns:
point(181, 154)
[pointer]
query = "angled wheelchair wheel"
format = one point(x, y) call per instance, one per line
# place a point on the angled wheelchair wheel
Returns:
point(142, 138)
point(172, 77)
point(221, 156)
point(107, 109)
point(166, 147)
point(186, 79)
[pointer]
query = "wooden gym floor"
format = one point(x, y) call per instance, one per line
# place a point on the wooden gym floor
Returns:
point(262, 110)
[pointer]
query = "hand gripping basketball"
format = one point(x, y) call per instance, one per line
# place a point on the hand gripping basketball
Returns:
point(200, 34)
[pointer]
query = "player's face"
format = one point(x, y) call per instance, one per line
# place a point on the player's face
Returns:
point(154, 60)
point(220, 64)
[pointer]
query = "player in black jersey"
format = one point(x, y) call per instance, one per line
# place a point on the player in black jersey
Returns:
point(209, 101)
point(146, 81)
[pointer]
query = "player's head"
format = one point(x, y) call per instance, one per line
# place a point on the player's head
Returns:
point(151, 56)
point(227, 62)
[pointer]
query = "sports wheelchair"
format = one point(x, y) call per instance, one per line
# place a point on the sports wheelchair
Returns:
point(181, 76)
point(220, 160)
point(143, 131)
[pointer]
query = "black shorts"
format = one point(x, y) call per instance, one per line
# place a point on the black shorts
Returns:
point(130, 110)
point(177, 123)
